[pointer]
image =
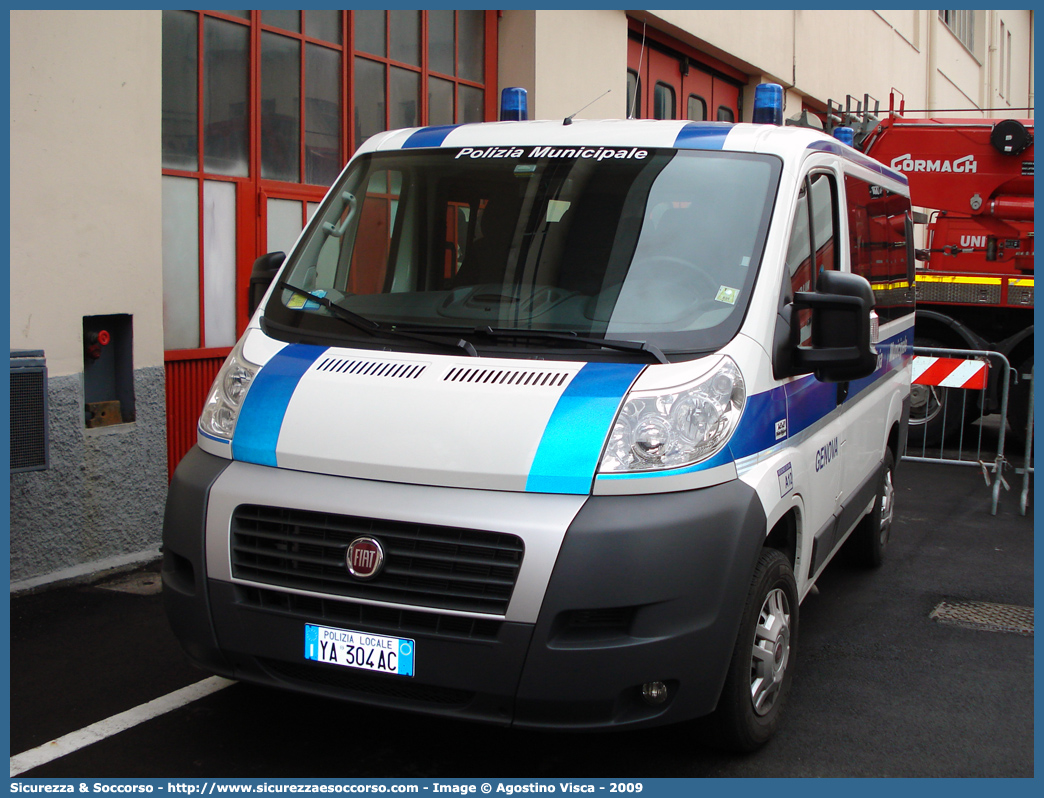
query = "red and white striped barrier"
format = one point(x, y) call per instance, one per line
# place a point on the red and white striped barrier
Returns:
point(948, 372)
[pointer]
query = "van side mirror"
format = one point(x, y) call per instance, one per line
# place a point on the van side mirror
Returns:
point(261, 275)
point(841, 349)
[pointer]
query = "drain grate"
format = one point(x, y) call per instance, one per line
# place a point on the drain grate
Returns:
point(985, 616)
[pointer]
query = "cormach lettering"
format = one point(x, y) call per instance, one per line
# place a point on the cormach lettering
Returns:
point(907, 163)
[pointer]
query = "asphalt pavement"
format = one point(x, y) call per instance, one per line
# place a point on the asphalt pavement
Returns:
point(881, 689)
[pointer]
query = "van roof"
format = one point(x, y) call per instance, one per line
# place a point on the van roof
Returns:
point(786, 142)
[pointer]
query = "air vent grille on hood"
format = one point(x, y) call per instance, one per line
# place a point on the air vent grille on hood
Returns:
point(371, 368)
point(532, 378)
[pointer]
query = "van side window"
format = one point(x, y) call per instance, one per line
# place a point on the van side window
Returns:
point(878, 231)
point(824, 220)
point(814, 230)
point(799, 253)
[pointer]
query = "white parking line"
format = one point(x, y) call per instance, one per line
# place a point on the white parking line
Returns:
point(96, 732)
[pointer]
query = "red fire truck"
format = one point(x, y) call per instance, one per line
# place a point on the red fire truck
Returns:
point(974, 283)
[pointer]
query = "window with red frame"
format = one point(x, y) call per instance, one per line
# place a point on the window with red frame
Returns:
point(261, 109)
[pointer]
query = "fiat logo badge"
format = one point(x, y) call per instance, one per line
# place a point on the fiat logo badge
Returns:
point(365, 558)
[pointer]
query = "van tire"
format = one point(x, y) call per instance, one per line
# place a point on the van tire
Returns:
point(870, 537)
point(762, 651)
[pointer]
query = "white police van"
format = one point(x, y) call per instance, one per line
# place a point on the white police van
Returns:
point(554, 424)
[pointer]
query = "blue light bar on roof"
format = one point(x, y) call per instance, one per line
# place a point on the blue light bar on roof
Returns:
point(514, 105)
point(845, 135)
point(768, 104)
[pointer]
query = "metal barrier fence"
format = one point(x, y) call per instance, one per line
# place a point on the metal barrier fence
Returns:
point(948, 395)
point(1027, 461)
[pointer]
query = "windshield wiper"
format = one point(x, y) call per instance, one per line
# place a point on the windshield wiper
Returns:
point(607, 343)
point(547, 335)
point(354, 319)
point(371, 327)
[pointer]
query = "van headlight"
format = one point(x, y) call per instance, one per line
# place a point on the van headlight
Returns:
point(227, 393)
point(656, 430)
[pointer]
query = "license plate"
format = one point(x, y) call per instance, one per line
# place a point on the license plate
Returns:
point(362, 650)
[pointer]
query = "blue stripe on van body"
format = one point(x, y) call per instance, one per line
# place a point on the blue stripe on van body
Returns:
point(808, 402)
point(703, 136)
point(571, 447)
point(856, 157)
point(257, 430)
point(757, 427)
point(428, 137)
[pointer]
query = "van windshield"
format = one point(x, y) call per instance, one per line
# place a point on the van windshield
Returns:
point(657, 246)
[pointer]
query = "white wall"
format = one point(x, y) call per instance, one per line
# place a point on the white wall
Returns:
point(566, 59)
point(85, 180)
point(857, 53)
point(957, 74)
point(1018, 23)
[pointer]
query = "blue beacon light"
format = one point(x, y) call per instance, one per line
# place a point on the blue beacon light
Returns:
point(845, 135)
point(768, 104)
point(514, 105)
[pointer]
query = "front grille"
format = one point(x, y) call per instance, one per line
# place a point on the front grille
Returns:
point(426, 565)
point(349, 679)
point(384, 620)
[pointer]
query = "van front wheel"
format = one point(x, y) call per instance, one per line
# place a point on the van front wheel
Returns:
point(762, 664)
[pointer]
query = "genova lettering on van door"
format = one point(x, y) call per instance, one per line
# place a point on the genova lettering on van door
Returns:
point(825, 454)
